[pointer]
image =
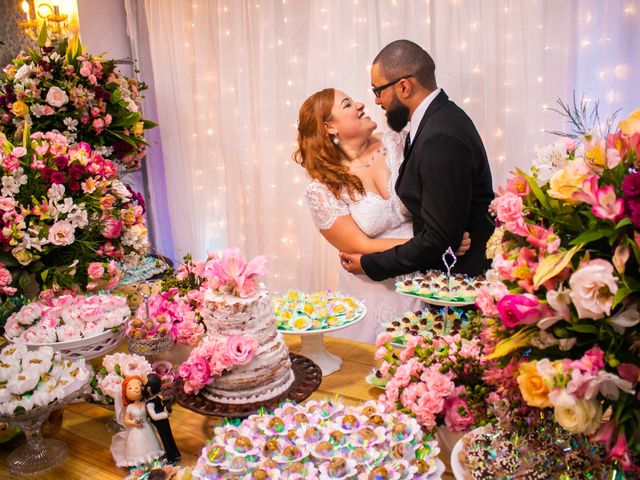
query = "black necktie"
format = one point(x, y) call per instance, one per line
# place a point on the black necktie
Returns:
point(407, 145)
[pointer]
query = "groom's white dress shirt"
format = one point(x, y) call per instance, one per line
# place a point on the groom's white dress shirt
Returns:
point(416, 118)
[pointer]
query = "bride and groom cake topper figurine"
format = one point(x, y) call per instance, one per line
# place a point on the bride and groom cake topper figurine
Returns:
point(144, 415)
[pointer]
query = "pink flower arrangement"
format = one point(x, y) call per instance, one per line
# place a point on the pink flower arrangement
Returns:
point(234, 274)
point(212, 358)
point(565, 285)
point(438, 380)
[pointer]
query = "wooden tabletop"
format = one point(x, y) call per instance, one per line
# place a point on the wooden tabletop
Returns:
point(83, 427)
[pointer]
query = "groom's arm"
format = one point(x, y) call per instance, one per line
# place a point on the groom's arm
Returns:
point(445, 175)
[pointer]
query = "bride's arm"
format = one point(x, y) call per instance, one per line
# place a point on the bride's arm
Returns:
point(346, 236)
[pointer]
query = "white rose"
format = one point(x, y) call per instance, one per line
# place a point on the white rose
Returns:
point(56, 97)
point(593, 288)
point(23, 73)
point(583, 416)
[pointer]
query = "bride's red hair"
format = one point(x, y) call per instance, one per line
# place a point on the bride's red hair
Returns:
point(316, 152)
point(125, 382)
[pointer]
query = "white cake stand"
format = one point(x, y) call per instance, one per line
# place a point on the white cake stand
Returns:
point(459, 472)
point(313, 347)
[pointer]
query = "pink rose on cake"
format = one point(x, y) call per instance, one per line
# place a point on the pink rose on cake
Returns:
point(241, 349)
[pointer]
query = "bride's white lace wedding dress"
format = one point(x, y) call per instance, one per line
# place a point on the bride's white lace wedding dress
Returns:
point(377, 218)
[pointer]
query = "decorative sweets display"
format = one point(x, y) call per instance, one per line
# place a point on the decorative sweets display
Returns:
point(427, 322)
point(321, 440)
point(436, 285)
point(298, 311)
point(66, 318)
point(167, 314)
point(141, 271)
point(543, 452)
point(34, 379)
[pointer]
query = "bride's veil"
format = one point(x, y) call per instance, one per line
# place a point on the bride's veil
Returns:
point(120, 410)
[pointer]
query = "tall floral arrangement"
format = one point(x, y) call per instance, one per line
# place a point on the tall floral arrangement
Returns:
point(84, 97)
point(565, 280)
point(65, 216)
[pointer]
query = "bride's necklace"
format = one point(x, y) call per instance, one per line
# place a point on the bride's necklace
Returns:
point(365, 163)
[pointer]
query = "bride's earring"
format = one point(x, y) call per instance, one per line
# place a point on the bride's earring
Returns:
point(335, 140)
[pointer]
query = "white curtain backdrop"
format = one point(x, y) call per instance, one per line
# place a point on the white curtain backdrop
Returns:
point(230, 76)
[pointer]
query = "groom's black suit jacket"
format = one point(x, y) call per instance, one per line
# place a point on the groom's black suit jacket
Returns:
point(445, 182)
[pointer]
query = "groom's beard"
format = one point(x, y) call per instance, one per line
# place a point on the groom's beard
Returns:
point(397, 115)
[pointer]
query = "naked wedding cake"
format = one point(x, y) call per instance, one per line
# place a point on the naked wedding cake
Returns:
point(268, 373)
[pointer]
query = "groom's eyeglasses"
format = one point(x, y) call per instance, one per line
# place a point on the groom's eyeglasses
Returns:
point(378, 90)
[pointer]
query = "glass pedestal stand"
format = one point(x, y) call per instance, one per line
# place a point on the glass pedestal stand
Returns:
point(312, 346)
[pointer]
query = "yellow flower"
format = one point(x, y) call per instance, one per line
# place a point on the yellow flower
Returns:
point(631, 124)
point(20, 109)
point(23, 256)
point(534, 391)
point(564, 183)
point(138, 129)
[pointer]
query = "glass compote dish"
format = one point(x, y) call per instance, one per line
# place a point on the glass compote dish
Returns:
point(32, 385)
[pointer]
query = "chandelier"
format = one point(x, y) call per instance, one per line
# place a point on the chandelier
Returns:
point(52, 19)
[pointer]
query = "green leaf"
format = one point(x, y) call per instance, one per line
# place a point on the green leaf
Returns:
point(128, 120)
point(147, 124)
point(536, 189)
point(552, 265)
point(44, 274)
point(583, 328)
point(590, 236)
point(122, 137)
point(42, 35)
point(623, 223)
point(621, 294)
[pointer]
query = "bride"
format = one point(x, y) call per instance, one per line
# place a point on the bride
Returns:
point(352, 197)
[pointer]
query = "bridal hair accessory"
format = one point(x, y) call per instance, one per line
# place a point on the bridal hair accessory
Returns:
point(335, 140)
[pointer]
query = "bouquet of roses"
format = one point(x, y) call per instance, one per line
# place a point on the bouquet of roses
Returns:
point(565, 281)
point(65, 215)
point(213, 357)
point(33, 379)
point(85, 98)
point(438, 379)
point(66, 318)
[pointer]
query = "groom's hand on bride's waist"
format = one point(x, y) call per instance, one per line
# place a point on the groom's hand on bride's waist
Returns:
point(351, 262)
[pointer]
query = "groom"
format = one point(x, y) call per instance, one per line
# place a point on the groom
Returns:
point(444, 181)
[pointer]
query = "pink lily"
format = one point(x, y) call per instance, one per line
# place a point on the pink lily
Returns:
point(232, 267)
point(608, 206)
point(620, 452)
point(588, 192)
point(605, 434)
point(543, 239)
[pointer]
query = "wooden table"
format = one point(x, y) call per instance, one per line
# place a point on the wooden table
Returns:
point(83, 427)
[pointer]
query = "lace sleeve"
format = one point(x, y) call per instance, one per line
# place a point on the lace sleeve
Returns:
point(324, 206)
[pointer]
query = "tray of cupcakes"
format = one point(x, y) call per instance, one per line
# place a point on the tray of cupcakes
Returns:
point(321, 440)
point(426, 323)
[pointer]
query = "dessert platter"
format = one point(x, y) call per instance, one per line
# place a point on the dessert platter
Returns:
point(313, 315)
point(321, 440)
point(426, 322)
point(437, 288)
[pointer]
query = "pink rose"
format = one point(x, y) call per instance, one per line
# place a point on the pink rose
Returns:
point(98, 125)
point(241, 349)
point(457, 416)
point(112, 228)
point(508, 207)
point(521, 309)
point(593, 289)
point(426, 408)
point(57, 97)
point(7, 204)
point(196, 373)
point(62, 233)
point(95, 270)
